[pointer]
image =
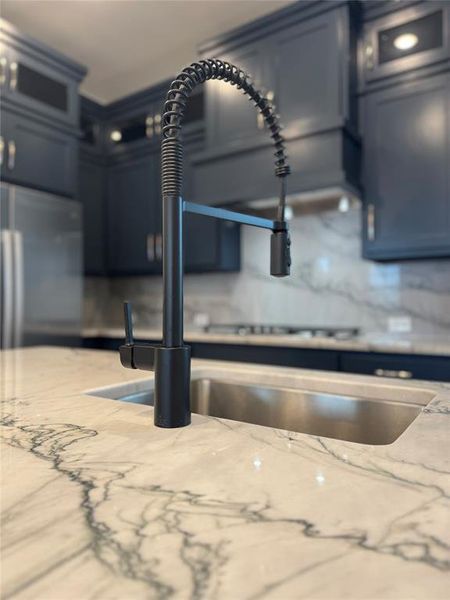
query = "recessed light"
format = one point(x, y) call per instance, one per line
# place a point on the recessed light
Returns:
point(344, 204)
point(116, 135)
point(288, 213)
point(406, 41)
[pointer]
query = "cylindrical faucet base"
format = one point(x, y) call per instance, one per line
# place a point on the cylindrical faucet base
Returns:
point(172, 386)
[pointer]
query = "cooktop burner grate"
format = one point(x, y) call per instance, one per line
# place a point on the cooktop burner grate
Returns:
point(303, 330)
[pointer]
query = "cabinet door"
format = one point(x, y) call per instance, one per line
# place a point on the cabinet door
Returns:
point(310, 64)
point(92, 193)
point(407, 170)
point(232, 121)
point(131, 132)
point(37, 86)
point(134, 217)
point(136, 129)
point(38, 156)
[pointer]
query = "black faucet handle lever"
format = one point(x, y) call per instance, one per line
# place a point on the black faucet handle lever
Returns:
point(128, 319)
point(135, 356)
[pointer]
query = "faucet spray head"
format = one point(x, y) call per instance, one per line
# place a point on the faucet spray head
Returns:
point(280, 241)
point(280, 253)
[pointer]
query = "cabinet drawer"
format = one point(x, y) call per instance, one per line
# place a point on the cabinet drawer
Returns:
point(398, 366)
point(38, 156)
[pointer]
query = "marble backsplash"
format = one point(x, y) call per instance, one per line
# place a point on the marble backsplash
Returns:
point(330, 285)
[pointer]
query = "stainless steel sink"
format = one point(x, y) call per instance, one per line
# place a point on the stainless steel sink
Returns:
point(345, 417)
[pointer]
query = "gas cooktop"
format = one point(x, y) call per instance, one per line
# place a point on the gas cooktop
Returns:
point(340, 333)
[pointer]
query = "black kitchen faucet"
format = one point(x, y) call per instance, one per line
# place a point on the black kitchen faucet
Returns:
point(171, 360)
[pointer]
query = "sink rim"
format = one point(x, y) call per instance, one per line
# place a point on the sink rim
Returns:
point(426, 394)
point(350, 391)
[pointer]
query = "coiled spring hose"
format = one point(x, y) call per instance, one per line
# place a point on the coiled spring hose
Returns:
point(174, 107)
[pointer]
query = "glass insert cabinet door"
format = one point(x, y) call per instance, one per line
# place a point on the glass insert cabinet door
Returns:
point(37, 86)
point(406, 40)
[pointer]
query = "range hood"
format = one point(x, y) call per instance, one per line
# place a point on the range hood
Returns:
point(306, 202)
point(325, 166)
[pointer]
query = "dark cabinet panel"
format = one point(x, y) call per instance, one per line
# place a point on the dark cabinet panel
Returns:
point(38, 156)
point(134, 216)
point(407, 170)
point(92, 194)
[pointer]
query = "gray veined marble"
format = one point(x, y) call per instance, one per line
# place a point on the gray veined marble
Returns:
point(330, 285)
point(100, 504)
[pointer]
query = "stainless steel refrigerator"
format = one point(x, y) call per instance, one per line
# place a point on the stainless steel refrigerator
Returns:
point(41, 268)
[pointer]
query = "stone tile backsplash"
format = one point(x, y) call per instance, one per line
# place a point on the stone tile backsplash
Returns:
point(330, 285)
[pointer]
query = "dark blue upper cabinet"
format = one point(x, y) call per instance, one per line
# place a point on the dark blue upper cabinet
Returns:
point(135, 122)
point(37, 78)
point(120, 187)
point(40, 112)
point(304, 58)
point(407, 170)
point(405, 117)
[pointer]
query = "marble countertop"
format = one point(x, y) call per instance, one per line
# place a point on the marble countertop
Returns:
point(100, 504)
point(430, 345)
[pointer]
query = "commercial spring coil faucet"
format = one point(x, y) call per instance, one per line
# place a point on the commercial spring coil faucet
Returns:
point(171, 360)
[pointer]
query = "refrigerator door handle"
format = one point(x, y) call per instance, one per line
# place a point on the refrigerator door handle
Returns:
point(19, 287)
point(7, 288)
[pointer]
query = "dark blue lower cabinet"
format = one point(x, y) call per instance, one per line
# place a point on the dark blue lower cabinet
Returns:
point(433, 368)
point(401, 366)
point(326, 360)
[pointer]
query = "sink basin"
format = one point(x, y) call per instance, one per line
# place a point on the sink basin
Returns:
point(346, 417)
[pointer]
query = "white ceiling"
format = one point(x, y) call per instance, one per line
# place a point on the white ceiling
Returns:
point(128, 45)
